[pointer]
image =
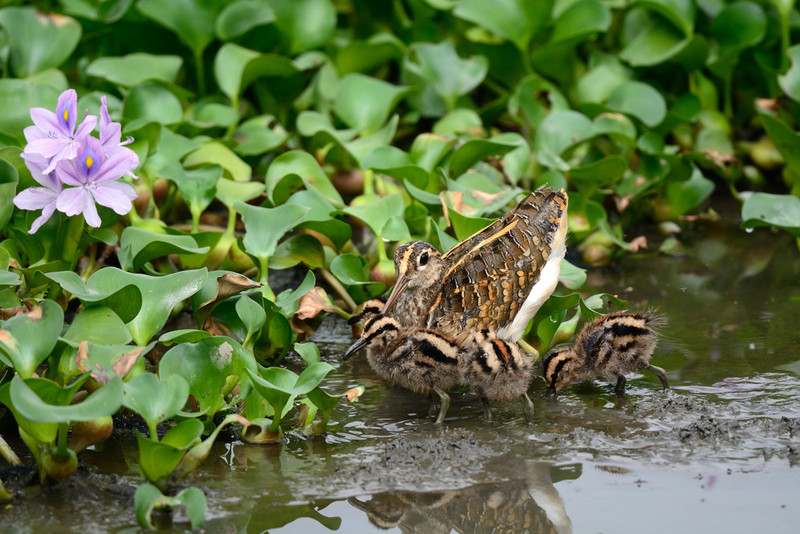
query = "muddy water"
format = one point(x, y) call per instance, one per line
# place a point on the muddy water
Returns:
point(717, 453)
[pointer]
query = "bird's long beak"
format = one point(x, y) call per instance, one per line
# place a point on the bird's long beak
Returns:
point(355, 347)
point(399, 287)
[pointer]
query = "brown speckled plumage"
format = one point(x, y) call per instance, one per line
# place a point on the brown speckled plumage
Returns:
point(612, 346)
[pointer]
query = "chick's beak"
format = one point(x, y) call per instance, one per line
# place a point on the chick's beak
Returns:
point(355, 347)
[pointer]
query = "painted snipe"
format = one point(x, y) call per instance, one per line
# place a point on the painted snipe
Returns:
point(425, 361)
point(612, 346)
point(496, 279)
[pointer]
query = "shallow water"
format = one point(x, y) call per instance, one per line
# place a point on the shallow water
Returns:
point(717, 453)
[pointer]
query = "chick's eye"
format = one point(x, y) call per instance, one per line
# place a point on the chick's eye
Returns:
point(423, 259)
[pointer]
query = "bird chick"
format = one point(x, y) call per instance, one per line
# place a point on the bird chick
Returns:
point(496, 371)
point(418, 359)
point(612, 346)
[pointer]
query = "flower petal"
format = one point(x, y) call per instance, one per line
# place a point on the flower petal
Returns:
point(67, 110)
point(47, 212)
point(47, 147)
point(34, 198)
point(86, 127)
point(69, 173)
point(115, 195)
point(72, 200)
point(90, 212)
point(46, 121)
point(117, 165)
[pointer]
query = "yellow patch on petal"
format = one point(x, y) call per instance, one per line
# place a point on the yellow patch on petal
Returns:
point(66, 115)
point(89, 162)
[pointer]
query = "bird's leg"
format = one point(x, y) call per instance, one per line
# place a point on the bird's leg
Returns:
point(619, 389)
point(529, 350)
point(659, 372)
point(527, 407)
point(487, 409)
point(432, 407)
point(445, 405)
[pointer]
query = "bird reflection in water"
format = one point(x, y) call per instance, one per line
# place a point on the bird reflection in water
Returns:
point(521, 505)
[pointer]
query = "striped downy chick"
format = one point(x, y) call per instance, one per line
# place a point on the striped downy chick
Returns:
point(612, 346)
point(496, 371)
point(421, 360)
point(368, 310)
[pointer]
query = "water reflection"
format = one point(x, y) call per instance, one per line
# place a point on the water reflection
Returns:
point(530, 504)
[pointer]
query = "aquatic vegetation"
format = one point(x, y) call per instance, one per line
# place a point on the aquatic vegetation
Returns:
point(162, 163)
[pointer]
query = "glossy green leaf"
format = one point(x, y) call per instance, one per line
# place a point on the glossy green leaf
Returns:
point(557, 133)
point(740, 25)
point(686, 195)
point(571, 276)
point(16, 99)
point(447, 74)
point(98, 324)
point(476, 150)
point(229, 192)
point(236, 67)
point(305, 24)
point(767, 209)
point(656, 41)
point(218, 286)
point(364, 103)
point(516, 20)
point(786, 140)
point(680, 13)
point(252, 315)
point(105, 401)
point(198, 187)
point(600, 173)
point(362, 56)
point(639, 100)
point(38, 41)
point(351, 270)
point(149, 498)
point(265, 226)
point(377, 213)
point(302, 166)
point(258, 135)
point(242, 16)
point(215, 153)
point(157, 459)
point(206, 366)
point(139, 246)
point(27, 339)
point(136, 68)
point(191, 20)
point(790, 81)
point(466, 226)
point(579, 21)
point(308, 351)
point(150, 102)
point(9, 178)
point(107, 12)
point(155, 399)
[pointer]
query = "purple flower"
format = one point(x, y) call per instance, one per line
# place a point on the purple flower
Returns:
point(96, 179)
point(53, 135)
point(110, 132)
point(39, 198)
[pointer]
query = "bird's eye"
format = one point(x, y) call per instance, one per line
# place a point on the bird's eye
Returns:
point(423, 259)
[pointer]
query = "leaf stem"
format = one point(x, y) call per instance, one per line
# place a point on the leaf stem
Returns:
point(337, 286)
point(61, 444)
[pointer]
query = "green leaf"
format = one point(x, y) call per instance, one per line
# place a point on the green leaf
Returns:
point(600, 173)
point(139, 246)
point(191, 20)
point(377, 213)
point(197, 187)
point(16, 99)
point(38, 41)
point(305, 24)
point(106, 362)
point(28, 339)
point(364, 103)
point(265, 226)
point(242, 16)
point(363, 56)
point(686, 195)
point(740, 25)
point(766, 209)
point(639, 100)
point(149, 498)
point(9, 178)
point(571, 276)
point(681, 13)
point(258, 135)
point(302, 167)
point(466, 226)
point(308, 351)
point(215, 153)
point(134, 69)
point(350, 269)
point(580, 21)
point(155, 399)
point(206, 366)
point(786, 140)
point(252, 315)
point(105, 401)
point(476, 150)
point(656, 42)
point(157, 460)
point(790, 81)
point(100, 325)
point(150, 102)
point(516, 20)
point(447, 74)
point(560, 131)
point(230, 192)
point(236, 67)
